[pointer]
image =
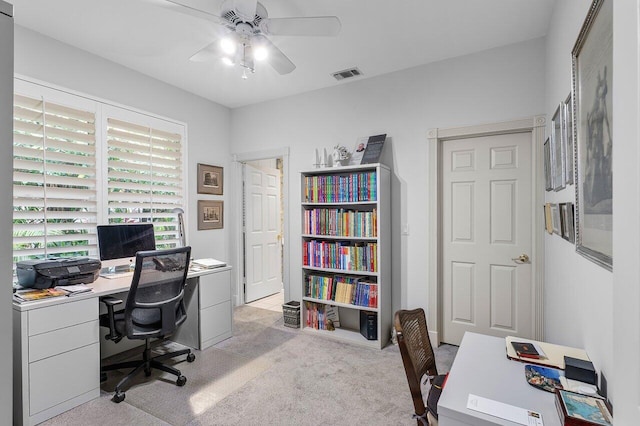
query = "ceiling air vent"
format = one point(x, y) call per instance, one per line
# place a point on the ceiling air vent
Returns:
point(351, 72)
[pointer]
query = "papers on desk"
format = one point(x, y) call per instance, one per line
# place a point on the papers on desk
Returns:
point(30, 295)
point(74, 290)
point(208, 263)
point(504, 411)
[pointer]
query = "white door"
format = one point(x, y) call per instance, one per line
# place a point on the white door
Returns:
point(487, 226)
point(263, 258)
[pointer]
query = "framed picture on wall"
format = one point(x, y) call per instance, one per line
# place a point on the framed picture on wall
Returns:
point(548, 181)
point(210, 179)
point(566, 217)
point(592, 67)
point(210, 214)
point(557, 150)
point(567, 130)
point(556, 224)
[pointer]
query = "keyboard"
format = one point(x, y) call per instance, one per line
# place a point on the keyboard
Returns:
point(115, 275)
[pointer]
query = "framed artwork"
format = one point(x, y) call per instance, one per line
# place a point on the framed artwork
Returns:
point(592, 68)
point(210, 179)
point(557, 150)
point(555, 219)
point(548, 181)
point(210, 214)
point(567, 131)
point(548, 225)
point(566, 219)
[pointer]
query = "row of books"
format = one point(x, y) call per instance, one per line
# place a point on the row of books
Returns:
point(343, 289)
point(348, 256)
point(348, 188)
point(30, 295)
point(322, 317)
point(341, 222)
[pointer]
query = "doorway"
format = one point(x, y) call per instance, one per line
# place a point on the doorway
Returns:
point(262, 248)
point(486, 255)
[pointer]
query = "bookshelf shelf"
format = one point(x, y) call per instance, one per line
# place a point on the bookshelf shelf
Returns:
point(342, 305)
point(346, 242)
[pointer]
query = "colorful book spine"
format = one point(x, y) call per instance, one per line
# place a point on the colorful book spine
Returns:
point(353, 187)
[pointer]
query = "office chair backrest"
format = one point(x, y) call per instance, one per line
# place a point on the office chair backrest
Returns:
point(154, 305)
point(416, 350)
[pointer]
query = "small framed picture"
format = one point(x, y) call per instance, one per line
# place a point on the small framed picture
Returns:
point(555, 219)
point(548, 176)
point(566, 219)
point(210, 214)
point(557, 150)
point(210, 179)
point(568, 138)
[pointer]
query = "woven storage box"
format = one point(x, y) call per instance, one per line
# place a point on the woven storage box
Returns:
point(291, 311)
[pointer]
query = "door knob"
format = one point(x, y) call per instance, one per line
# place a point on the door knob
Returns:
point(523, 258)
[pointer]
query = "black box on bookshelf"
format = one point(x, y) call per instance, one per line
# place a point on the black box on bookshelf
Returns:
point(369, 325)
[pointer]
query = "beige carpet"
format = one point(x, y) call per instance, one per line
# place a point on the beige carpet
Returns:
point(266, 374)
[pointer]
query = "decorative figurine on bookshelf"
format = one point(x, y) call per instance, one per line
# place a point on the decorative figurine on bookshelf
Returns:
point(340, 155)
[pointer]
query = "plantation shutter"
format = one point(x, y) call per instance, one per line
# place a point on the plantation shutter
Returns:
point(54, 180)
point(144, 178)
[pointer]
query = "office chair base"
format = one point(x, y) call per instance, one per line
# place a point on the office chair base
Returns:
point(146, 364)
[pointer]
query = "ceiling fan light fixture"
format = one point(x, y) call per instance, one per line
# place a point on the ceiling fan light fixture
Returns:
point(228, 46)
point(227, 61)
point(260, 53)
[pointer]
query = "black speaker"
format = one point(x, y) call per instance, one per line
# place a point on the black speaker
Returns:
point(369, 325)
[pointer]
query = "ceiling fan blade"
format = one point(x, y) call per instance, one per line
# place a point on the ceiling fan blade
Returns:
point(187, 10)
point(246, 9)
point(311, 26)
point(208, 53)
point(276, 58)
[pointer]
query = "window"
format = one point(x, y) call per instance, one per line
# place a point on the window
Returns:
point(79, 162)
point(54, 180)
point(144, 173)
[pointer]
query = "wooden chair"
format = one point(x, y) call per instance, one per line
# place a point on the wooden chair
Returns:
point(419, 360)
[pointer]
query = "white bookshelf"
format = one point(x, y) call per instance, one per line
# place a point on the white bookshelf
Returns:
point(349, 329)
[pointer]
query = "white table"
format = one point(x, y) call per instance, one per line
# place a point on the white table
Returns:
point(481, 368)
point(56, 355)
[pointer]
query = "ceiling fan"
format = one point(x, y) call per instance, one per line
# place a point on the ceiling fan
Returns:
point(247, 25)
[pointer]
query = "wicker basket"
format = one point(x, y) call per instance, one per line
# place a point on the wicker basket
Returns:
point(291, 311)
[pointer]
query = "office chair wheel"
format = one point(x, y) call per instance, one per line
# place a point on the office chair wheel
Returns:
point(181, 381)
point(191, 357)
point(118, 397)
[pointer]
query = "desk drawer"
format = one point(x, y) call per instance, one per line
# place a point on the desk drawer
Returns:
point(214, 288)
point(57, 379)
point(65, 339)
point(63, 315)
point(215, 320)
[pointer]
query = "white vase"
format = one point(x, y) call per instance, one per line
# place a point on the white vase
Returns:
point(323, 159)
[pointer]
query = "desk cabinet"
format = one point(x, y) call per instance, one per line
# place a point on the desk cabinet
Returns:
point(209, 310)
point(56, 359)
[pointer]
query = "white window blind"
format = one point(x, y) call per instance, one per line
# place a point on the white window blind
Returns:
point(54, 180)
point(144, 177)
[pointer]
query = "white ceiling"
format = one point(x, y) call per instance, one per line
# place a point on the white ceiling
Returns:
point(377, 36)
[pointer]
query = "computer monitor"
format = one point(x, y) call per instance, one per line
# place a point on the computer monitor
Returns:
point(118, 244)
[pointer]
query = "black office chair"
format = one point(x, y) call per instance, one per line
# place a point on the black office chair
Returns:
point(154, 309)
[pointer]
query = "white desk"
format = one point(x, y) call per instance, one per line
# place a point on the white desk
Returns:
point(56, 355)
point(481, 367)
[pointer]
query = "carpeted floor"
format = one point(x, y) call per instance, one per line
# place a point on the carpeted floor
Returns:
point(266, 374)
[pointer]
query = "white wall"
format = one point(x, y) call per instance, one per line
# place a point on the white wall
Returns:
point(48, 60)
point(495, 85)
point(578, 293)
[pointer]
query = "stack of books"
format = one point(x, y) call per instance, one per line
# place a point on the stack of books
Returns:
point(208, 263)
point(31, 295)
